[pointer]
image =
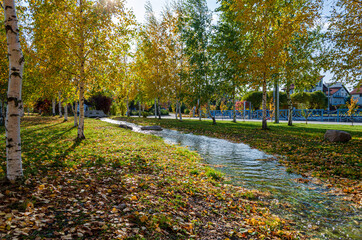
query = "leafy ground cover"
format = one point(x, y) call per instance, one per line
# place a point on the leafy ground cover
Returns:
point(125, 185)
point(301, 148)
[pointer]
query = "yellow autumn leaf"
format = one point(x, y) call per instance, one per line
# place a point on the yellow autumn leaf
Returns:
point(143, 218)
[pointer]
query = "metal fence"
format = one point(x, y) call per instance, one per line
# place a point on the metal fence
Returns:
point(321, 115)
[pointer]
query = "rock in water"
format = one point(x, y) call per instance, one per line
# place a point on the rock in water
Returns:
point(337, 136)
point(125, 126)
point(151, 128)
point(95, 114)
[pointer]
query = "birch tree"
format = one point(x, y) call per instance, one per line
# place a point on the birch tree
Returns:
point(16, 63)
point(85, 31)
point(271, 26)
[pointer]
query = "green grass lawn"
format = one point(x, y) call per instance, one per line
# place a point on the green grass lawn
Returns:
point(121, 184)
point(302, 146)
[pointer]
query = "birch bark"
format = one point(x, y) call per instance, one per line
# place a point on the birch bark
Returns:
point(81, 77)
point(53, 106)
point(264, 122)
point(16, 65)
point(60, 104)
point(65, 111)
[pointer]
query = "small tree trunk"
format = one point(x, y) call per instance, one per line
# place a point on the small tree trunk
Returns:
point(155, 108)
point(139, 109)
point(53, 106)
point(264, 122)
point(14, 102)
point(28, 111)
point(74, 110)
point(159, 109)
point(128, 111)
point(176, 110)
point(81, 111)
point(60, 105)
point(209, 112)
point(234, 108)
point(179, 110)
point(198, 103)
point(66, 111)
point(276, 104)
point(290, 106)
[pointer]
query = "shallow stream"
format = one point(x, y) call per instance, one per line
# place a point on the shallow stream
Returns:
point(310, 206)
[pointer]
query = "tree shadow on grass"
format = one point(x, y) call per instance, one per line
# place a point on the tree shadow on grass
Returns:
point(42, 128)
point(44, 152)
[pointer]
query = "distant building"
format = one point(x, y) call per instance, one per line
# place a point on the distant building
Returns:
point(337, 93)
point(357, 94)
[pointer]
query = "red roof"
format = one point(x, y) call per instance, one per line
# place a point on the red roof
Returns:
point(357, 91)
point(333, 90)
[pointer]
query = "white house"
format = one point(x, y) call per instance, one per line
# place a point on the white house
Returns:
point(337, 93)
point(357, 94)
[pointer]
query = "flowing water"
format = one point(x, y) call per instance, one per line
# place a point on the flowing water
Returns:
point(307, 204)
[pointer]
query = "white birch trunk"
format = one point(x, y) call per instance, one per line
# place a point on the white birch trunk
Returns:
point(264, 122)
point(179, 110)
point(159, 108)
point(176, 110)
point(198, 103)
point(290, 106)
point(16, 64)
point(66, 111)
point(139, 109)
point(60, 104)
point(74, 110)
point(80, 134)
point(128, 114)
point(155, 108)
point(53, 106)
point(234, 108)
point(81, 109)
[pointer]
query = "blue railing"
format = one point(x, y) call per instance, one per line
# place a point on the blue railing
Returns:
point(339, 115)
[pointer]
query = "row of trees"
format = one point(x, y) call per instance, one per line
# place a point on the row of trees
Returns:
point(74, 49)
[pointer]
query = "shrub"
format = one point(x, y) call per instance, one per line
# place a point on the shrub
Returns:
point(318, 100)
point(187, 111)
point(145, 114)
point(255, 98)
point(301, 98)
point(101, 102)
point(164, 112)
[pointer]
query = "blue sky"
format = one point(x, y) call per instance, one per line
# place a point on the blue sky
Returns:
point(138, 7)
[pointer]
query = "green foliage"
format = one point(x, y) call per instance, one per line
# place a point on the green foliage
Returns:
point(301, 98)
point(318, 100)
point(255, 98)
point(314, 100)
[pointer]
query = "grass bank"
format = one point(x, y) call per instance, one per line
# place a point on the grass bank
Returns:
point(302, 146)
point(125, 185)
